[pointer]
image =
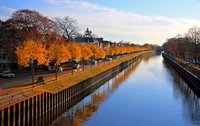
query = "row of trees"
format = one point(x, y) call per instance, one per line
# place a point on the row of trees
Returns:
point(185, 47)
point(60, 52)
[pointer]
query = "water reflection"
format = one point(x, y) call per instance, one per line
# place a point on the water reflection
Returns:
point(152, 93)
point(188, 95)
point(83, 111)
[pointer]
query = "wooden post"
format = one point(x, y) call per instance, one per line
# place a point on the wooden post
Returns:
point(26, 112)
point(51, 108)
point(38, 110)
point(30, 111)
point(1, 118)
point(65, 99)
point(22, 113)
point(42, 109)
point(48, 109)
point(12, 115)
point(34, 111)
point(54, 105)
point(17, 114)
point(45, 108)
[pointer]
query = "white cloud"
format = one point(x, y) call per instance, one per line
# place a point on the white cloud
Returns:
point(116, 25)
point(7, 8)
point(6, 12)
point(119, 25)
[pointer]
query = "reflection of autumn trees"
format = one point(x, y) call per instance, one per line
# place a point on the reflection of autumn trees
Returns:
point(84, 111)
point(124, 76)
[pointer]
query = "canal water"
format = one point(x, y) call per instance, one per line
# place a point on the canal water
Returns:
point(148, 93)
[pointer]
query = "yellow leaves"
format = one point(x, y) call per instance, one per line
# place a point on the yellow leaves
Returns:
point(31, 50)
point(61, 52)
point(116, 50)
point(75, 50)
point(108, 51)
point(58, 52)
point(86, 52)
point(100, 53)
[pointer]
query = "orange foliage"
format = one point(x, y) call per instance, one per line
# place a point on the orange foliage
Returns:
point(101, 54)
point(108, 51)
point(61, 52)
point(31, 50)
point(98, 52)
point(86, 52)
point(74, 49)
point(58, 52)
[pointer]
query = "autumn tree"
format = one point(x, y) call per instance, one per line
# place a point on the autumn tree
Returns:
point(31, 52)
point(86, 53)
point(108, 51)
point(58, 53)
point(115, 50)
point(97, 52)
point(25, 25)
point(100, 53)
point(193, 36)
point(67, 27)
point(75, 51)
point(31, 25)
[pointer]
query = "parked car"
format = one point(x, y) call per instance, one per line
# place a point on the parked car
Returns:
point(6, 74)
point(108, 59)
point(93, 61)
point(75, 66)
point(59, 69)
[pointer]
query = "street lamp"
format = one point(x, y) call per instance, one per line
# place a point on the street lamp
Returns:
point(32, 68)
point(72, 64)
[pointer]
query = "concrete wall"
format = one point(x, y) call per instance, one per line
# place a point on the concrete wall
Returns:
point(188, 76)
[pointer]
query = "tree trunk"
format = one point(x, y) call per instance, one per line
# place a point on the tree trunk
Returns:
point(56, 72)
point(72, 68)
point(32, 73)
point(83, 64)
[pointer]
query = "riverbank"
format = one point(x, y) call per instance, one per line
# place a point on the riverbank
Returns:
point(189, 71)
point(19, 94)
point(43, 104)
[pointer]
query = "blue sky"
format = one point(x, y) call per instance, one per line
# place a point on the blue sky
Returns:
point(169, 8)
point(138, 21)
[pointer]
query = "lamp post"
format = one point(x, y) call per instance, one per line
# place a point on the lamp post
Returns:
point(32, 68)
point(72, 64)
